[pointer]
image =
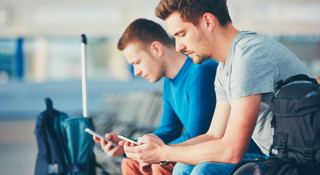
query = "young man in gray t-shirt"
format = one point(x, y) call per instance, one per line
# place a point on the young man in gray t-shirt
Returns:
point(253, 66)
point(250, 65)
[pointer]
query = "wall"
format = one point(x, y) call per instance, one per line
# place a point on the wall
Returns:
point(110, 17)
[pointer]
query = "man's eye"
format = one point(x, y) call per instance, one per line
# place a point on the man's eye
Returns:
point(135, 63)
point(181, 34)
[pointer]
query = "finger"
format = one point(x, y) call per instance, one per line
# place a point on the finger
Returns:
point(144, 139)
point(125, 143)
point(134, 157)
point(122, 142)
point(108, 147)
point(150, 139)
point(151, 135)
point(103, 143)
point(130, 149)
point(118, 150)
point(132, 144)
point(140, 142)
point(128, 143)
point(113, 137)
point(96, 139)
point(110, 136)
point(107, 136)
point(129, 155)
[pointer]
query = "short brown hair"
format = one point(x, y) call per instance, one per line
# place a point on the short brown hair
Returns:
point(143, 30)
point(192, 10)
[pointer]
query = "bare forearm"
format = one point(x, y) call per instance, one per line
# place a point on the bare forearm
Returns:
point(227, 138)
point(195, 140)
point(207, 151)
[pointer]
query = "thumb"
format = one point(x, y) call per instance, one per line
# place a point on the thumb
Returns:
point(122, 142)
point(151, 135)
point(144, 139)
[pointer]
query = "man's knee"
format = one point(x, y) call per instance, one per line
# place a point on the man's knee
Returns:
point(129, 166)
point(162, 169)
point(128, 162)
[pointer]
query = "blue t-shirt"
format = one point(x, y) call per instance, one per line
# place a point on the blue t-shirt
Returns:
point(188, 102)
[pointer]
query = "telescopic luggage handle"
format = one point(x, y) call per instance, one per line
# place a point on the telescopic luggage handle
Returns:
point(84, 76)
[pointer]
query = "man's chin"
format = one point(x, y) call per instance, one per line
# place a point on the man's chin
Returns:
point(153, 80)
point(199, 60)
point(196, 60)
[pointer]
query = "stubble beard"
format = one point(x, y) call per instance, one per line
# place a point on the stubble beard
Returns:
point(200, 59)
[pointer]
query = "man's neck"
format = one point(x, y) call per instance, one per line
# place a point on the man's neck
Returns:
point(222, 40)
point(174, 62)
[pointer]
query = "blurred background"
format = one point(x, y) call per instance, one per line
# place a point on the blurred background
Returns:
point(40, 57)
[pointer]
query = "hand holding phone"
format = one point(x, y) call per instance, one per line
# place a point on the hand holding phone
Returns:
point(132, 141)
point(127, 139)
point(97, 135)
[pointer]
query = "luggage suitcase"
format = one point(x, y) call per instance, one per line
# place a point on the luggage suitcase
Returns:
point(63, 145)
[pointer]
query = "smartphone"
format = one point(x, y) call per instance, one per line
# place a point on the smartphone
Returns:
point(97, 135)
point(127, 139)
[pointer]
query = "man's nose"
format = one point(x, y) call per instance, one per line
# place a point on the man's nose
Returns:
point(180, 46)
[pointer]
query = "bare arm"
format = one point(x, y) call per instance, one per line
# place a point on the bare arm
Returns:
point(226, 140)
point(230, 136)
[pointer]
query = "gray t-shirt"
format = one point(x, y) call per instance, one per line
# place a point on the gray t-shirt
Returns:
point(253, 66)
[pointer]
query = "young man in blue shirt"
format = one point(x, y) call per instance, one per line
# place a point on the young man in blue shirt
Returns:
point(188, 90)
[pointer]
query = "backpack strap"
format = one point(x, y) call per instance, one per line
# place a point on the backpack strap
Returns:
point(279, 145)
point(299, 77)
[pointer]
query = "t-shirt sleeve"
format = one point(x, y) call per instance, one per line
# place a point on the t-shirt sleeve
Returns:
point(253, 71)
point(218, 86)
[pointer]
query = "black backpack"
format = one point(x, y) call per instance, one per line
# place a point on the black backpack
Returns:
point(296, 120)
point(63, 145)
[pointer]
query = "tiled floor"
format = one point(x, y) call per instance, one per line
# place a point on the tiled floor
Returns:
point(18, 148)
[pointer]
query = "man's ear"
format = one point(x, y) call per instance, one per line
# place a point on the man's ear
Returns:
point(209, 20)
point(156, 48)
